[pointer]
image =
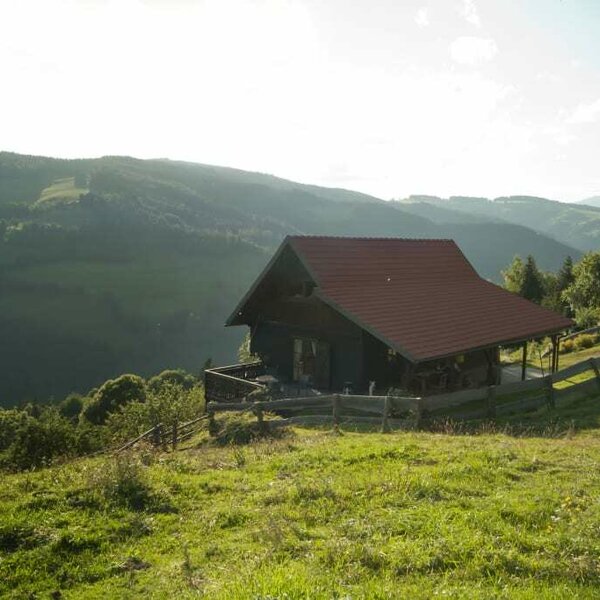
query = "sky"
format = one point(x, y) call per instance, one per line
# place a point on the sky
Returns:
point(388, 97)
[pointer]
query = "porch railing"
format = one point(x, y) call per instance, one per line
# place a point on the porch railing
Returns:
point(231, 383)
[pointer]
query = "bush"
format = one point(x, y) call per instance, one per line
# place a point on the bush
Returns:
point(169, 404)
point(122, 481)
point(567, 346)
point(584, 341)
point(10, 422)
point(71, 406)
point(242, 428)
point(174, 377)
point(113, 394)
point(37, 441)
point(587, 317)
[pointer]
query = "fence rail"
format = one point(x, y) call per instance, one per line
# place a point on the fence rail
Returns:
point(228, 384)
point(162, 436)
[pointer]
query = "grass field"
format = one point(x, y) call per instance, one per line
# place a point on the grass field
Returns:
point(317, 515)
point(565, 360)
point(61, 190)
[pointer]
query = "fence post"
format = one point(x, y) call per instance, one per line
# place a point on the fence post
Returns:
point(491, 402)
point(212, 425)
point(174, 440)
point(385, 423)
point(549, 391)
point(596, 371)
point(336, 411)
point(156, 435)
point(260, 418)
point(419, 413)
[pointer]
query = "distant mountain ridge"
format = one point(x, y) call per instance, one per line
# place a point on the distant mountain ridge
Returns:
point(576, 224)
point(591, 201)
point(119, 264)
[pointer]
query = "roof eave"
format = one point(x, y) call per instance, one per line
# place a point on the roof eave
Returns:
point(505, 342)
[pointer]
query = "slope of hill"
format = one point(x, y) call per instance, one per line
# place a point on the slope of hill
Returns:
point(118, 264)
point(576, 225)
point(313, 515)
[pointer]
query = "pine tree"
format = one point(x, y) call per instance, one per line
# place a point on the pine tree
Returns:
point(532, 285)
point(565, 275)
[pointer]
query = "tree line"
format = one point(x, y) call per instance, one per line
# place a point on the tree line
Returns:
point(574, 290)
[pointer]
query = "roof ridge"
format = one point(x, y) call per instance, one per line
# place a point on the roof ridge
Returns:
point(373, 238)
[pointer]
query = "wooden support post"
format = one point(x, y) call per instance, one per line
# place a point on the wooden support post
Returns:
point(174, 438)
point(337, 405)
point(554, 353)
point(419, 413)
point(524, 362)
point(491, 402)
point(385, 422)
point(596, 371)
point(549, 390)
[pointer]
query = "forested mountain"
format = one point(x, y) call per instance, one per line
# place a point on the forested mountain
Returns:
point(576, 225)
point(117, 264)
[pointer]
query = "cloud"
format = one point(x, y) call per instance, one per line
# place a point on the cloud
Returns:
point(469, 12)
point(585, 113)
point(422, 17)
point(468, 50)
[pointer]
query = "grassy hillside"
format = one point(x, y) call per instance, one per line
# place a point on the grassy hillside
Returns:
point(507, 514)
point(117, 264)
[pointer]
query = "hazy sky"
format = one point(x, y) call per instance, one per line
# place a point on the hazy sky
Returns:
point(390, 97)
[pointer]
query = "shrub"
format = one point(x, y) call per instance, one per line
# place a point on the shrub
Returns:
point(174, 377)
point(10, 422)
point(584, 341)
point(38, 441)
point(122, 480)
point(567, 346)
point(169, 404)
point(113, 394)
point(587, 317)
point(71, 406)
point(242, 428)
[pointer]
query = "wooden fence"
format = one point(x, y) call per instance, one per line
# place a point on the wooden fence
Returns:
point(226, 384)
point(395, 412)
point(161, 436)
point(409, 412)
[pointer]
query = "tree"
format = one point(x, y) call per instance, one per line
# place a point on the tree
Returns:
point(584, 291)
point(532, 285)
point(113, 394)
point(565, 276)
point(564, 279)
point(172, 376)
point(513, 276)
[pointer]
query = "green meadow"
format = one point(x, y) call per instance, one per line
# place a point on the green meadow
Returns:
point(509, 511)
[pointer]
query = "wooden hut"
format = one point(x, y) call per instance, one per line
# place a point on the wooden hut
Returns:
point(337, 313)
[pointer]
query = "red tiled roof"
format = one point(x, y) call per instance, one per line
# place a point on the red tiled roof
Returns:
point(421, 297)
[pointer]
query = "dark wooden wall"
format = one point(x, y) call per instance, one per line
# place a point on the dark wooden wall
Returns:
point(272, 338)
